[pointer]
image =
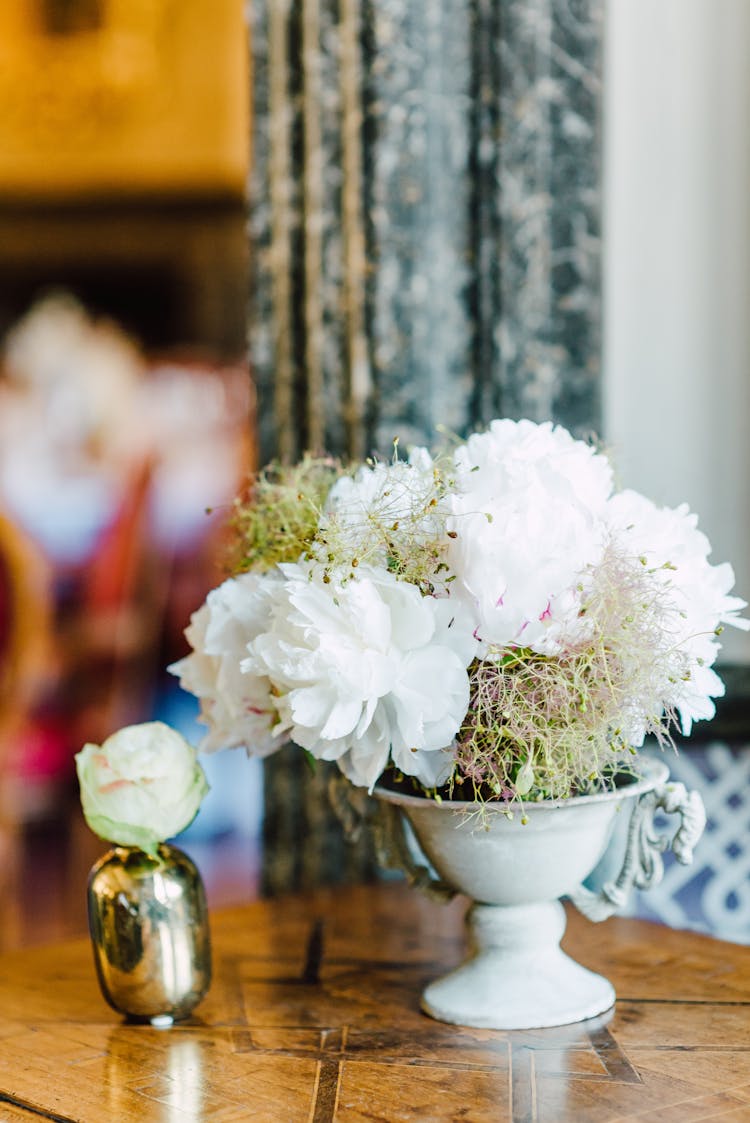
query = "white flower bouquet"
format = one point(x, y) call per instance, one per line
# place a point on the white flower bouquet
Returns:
point(496, 622)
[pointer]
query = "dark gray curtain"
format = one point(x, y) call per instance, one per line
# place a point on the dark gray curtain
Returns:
point(425, 236)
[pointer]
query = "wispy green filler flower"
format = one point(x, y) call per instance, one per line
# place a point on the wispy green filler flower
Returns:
point(546, 727)
point(276, 520)
point(390, 515)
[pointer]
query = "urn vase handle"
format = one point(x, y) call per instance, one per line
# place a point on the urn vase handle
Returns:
point(643, 866)
point(356, 810)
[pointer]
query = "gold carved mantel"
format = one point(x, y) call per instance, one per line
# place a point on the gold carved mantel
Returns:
point(127, 96)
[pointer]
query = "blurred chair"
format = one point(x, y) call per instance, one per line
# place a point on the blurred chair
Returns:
point(25, 626)
point(26, 667)
point(112, 638)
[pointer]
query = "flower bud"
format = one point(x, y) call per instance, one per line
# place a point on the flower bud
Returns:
point(142, 786)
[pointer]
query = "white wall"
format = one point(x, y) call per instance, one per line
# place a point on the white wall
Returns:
point(677, 263)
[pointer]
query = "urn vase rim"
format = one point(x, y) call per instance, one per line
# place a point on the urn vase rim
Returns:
point(650, 773)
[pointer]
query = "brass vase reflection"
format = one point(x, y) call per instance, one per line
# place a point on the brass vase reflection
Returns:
point(149, 927)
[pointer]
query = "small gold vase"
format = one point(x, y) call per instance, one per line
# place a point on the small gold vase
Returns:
point(149, 927)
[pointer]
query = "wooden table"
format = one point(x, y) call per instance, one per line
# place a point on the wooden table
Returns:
point(296, 1028)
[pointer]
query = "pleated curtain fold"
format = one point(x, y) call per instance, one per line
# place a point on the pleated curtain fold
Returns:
point(424, 217)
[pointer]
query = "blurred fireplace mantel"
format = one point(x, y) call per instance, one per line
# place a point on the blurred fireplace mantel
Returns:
point(124, 142)
point(172, 271)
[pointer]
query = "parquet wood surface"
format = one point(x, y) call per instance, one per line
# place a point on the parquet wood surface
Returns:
point(313, 1017)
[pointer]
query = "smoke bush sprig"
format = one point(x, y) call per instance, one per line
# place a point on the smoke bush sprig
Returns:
point(276, 520)
point(392, 516)
point(546, 727)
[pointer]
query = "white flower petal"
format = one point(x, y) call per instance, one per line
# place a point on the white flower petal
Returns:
point(236, 701)
point(527, 517)
point(356, 668)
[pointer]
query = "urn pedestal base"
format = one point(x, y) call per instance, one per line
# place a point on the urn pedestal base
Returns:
point(517, 977)
point(516, 870)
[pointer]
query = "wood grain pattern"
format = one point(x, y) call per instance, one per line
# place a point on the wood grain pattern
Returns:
point(314, 1017)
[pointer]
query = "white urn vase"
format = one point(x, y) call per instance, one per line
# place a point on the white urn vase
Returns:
point(515, 872)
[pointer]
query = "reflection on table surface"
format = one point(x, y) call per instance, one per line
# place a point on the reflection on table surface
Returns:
point(298, 1030)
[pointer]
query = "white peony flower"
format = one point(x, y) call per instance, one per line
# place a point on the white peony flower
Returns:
point(384, 504)
point(527, 517)
point(394, 489)
point(690, 603)
point(236, 705)
point(142, 786)
point(367, 670)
